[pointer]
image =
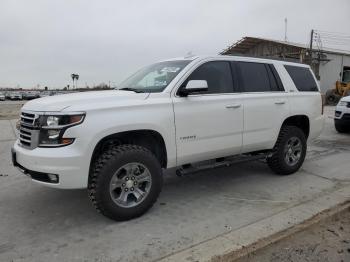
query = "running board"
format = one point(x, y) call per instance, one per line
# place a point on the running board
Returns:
point(190, 169)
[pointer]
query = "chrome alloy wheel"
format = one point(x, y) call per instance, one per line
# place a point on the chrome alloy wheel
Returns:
point(130, 185)
point(292, 151)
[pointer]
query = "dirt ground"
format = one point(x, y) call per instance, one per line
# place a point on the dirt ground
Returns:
point(10, 109)
point(326, 241)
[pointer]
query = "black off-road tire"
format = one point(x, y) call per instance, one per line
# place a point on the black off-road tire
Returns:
point(341, 128)
point(277, 160)
point(105, 167)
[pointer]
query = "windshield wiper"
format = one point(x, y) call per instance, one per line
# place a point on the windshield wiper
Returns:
point(131, 89)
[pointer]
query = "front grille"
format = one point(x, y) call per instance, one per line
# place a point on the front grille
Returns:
point(28, 134)
point(346, 117)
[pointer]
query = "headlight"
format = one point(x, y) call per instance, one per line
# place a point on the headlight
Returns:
point(344, 103)
point(52, 121)
point(52, 128)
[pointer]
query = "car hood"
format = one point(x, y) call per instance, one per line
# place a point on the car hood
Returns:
point(82, 100)
point(346, 99)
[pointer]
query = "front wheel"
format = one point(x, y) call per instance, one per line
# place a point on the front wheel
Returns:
point(125, 182)
point(289, 152)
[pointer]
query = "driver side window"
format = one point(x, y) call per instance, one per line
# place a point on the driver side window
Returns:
point(217, 74)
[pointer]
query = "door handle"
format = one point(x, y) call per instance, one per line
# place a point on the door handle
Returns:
point(280, 102)
point(233, 106)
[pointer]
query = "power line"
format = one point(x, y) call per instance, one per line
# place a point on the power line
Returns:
point(329, 38)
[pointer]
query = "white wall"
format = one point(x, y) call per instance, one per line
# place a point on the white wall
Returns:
point(330, 71)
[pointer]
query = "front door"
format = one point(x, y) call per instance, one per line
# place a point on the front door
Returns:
point(209, 124)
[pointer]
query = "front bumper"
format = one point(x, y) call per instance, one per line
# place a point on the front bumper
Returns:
point(43, 164)
point(342, 115)
point(342, 121)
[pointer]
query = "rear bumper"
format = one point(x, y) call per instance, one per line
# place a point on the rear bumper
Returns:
point(43, 164)
point(316, 127)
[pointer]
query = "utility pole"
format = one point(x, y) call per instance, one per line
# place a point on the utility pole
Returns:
point(311, 41)
point(285, 29)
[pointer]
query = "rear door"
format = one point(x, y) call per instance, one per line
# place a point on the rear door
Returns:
point(266, 104)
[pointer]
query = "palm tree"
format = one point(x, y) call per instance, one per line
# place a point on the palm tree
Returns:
point(75, 77)
point(76, 80)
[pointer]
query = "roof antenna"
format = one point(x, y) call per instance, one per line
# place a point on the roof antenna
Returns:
point(285, 29)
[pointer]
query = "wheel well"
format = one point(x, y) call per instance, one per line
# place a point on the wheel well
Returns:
point(300, 121)
point(149, 139)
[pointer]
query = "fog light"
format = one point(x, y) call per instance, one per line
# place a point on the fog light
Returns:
point(53, 178)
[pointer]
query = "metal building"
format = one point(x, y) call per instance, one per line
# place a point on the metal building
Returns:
point(329, 65)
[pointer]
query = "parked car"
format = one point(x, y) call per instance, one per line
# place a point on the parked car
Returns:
point(16, 96)
point(2, 96)
point(28, 95)
point(45, 93)
point(342, 115)
point(172, 114)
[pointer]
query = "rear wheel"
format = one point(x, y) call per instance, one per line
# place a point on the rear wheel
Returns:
point(125, 182)
point(289, 152)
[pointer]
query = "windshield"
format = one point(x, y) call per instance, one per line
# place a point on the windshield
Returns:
point(154, 78)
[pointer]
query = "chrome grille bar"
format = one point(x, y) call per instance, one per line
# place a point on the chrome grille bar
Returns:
point(28, 135)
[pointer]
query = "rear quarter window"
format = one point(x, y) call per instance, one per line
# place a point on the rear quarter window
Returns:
point(302, 78)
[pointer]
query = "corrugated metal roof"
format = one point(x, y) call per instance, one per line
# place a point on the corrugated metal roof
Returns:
point(248, 42)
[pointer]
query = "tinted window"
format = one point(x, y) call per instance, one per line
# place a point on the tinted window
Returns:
point(302, 78)
point(277, 77)
point(275, 81)
point(254, 77)
point(217, 74)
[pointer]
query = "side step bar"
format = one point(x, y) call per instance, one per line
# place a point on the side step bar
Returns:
point(225, 162)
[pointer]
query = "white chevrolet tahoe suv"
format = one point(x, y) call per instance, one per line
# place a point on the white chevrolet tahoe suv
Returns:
point(175, 113)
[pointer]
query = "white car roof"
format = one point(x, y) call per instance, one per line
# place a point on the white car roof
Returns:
point(237, 58)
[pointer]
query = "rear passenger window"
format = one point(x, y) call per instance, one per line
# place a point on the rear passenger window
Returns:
point(254, 77)
point(217, 74)
point(302, 78)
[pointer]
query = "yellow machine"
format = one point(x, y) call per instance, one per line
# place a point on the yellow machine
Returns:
point(341, 89)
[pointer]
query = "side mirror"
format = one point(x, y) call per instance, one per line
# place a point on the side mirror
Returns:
point(194, 86)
